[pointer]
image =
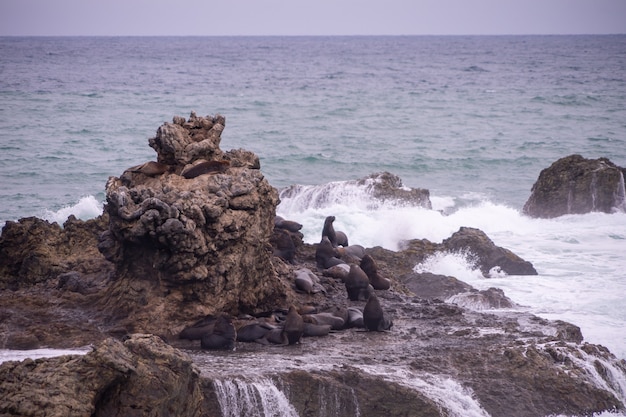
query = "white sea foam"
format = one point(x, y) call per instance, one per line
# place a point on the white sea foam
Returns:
point(19, 355)
point(87, 207)
point(579, 258)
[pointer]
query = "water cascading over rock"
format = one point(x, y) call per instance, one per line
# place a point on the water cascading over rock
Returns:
point(189, 233)
point(576, 185)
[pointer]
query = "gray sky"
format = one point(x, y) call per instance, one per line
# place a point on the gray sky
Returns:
point(310, 17)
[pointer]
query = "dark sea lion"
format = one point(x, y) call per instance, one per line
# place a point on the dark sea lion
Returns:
point(288, 225)
point(294, 326)
point(198, 329)
point(357, 283)
point(371, 269)
point(374, 319)
point(329, 230)
point(326, 255)
point(277, 337)
point(316, 330)
point(253, 332)
point(205, 167)
point(150, 168)
point(223, 336)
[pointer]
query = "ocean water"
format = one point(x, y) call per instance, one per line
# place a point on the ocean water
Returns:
point(473, 119)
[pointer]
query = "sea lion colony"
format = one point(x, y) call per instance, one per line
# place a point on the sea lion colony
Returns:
point(286, 326)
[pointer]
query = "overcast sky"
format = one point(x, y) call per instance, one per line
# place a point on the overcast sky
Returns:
point(310, 17)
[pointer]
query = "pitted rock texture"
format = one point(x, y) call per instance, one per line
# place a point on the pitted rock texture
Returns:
point(576, 185)
point(190, 246)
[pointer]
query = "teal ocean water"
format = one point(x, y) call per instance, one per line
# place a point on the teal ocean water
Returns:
point(472, 119)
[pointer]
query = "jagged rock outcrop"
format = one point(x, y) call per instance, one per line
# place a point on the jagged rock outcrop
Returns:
point(33, 250)
point(487, 256)
point(141, 376)
point(190, 238)
point(576, 185)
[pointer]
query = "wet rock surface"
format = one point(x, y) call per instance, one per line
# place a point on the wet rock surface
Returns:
point(576, 185)
point(190, 237)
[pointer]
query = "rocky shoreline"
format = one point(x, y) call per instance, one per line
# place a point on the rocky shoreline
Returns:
point(193, 235)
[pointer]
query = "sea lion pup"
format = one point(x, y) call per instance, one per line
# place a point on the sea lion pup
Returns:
point(355, 317)
point(374, 319)
point(288, 225)
point(150, 168)
point(223, 336)
point(205, 167)
point(316, 330)
point(339, 271)
point(294, 326)
point(353, 251)
point(335, 322)
point(307, 282)
point(198, 329)
point(368, 265)
point(326, 254)
point(357, 284)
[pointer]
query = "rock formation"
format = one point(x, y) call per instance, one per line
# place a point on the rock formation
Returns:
point(576, 185)
point(189, 236)
point(141, 376)
point(190, 245)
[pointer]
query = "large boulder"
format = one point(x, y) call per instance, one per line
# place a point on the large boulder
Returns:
point(34, 251)
point(141, 376)
point(576, 185)
point(487, 256)
point(189, 234)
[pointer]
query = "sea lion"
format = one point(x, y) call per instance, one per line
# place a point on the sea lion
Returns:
point(336, 323)
point(307, 282)
point(316, 330)
point(150, 168)
point(223, 336)
point(374, 319)
point(355, 317)
point(339, 271)
point(198, 329)
point(337, 238)
point(253, 332)
point(357, 283)
point(353, 251)
point(205, 167)
point(288, 225)
point(276, 336)
point(294, 326)
point(342, 239)
point(368, 265)
point(329, 230)
point(326, 255)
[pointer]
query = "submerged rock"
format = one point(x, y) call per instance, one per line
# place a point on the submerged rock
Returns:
point(576, 185)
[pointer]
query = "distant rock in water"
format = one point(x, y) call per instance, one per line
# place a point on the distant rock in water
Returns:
point(378, 188)
point(576, 185)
